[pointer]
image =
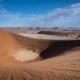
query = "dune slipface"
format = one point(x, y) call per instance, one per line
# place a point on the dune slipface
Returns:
point(23, 58)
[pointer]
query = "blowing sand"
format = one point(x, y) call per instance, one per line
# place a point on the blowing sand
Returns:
point(59, 59)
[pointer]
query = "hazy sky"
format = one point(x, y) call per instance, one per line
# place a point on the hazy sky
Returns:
point(49, 13)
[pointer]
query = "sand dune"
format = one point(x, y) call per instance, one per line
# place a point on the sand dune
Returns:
point(23, 58)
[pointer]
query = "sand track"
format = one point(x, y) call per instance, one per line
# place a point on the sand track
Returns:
point(60, 59)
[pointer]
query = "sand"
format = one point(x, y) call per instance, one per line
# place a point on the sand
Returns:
point(43, 36)
point(49, 59)
point(25, 55)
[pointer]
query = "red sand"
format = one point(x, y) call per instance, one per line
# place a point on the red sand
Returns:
point(60, 60)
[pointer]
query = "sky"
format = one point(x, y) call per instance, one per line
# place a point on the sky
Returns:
point(44, 13)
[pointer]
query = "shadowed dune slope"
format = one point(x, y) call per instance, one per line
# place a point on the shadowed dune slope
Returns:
point(60, 59)
point(59, 47)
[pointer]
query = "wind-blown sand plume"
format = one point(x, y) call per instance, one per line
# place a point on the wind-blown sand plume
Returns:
point(59, 59)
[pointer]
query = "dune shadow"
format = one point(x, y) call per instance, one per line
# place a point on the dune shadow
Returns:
point(58, 48)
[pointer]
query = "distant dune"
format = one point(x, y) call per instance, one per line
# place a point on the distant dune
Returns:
point(24, 58)
point(73, 35)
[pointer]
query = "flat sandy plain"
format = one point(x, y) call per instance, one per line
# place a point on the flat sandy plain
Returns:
point(24, 58)
point(43, 36)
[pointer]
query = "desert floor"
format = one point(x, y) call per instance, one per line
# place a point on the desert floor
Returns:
point(24, 58)
point(43, 36)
